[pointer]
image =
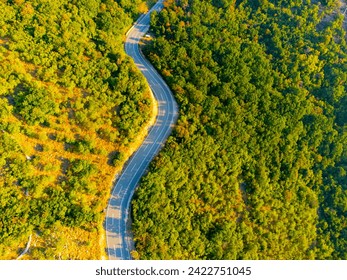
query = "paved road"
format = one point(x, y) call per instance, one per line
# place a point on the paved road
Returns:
point(118, 235)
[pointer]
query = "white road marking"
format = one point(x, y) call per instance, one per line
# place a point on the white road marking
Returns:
point(160, 131)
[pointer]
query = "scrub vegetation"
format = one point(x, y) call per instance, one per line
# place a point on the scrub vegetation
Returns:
point(72, 109)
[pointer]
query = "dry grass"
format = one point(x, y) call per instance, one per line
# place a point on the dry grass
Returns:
point(49, 155)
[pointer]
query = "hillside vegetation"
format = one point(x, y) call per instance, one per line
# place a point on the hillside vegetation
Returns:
point(256, 166)
point(72, 109)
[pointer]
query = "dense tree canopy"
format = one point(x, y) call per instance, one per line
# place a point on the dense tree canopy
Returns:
point(256, 166)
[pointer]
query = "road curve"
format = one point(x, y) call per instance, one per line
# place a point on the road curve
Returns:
point(118, 236)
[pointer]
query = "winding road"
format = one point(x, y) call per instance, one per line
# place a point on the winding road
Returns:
point(117, 224)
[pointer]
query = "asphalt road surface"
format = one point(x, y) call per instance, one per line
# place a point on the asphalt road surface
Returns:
point(117, 224)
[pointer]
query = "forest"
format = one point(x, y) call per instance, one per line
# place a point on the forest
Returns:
point(72, 109)
point(256, 165)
